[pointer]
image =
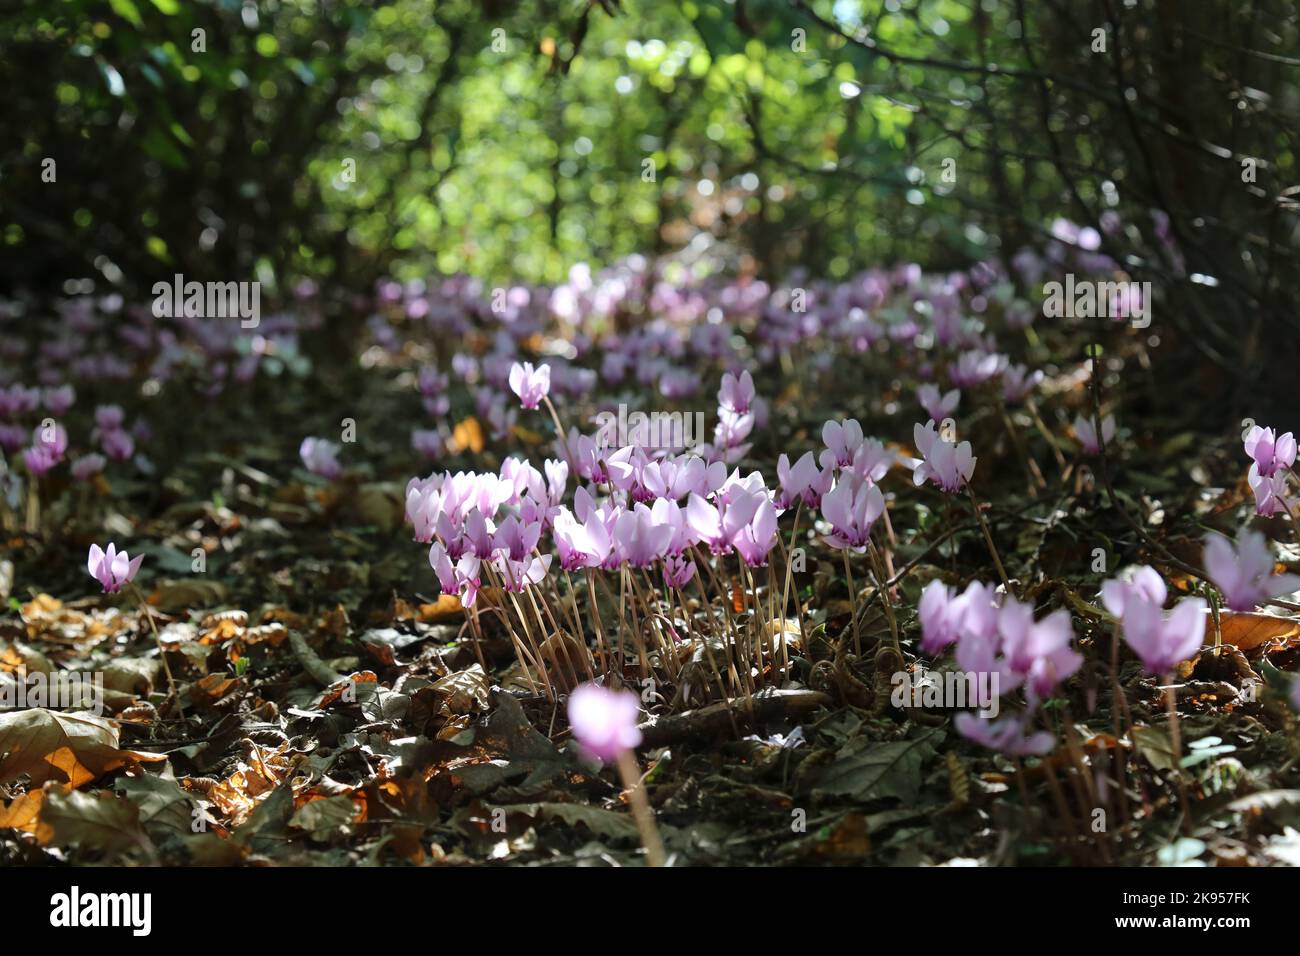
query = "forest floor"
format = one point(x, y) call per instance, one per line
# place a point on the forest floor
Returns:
point(319, 703)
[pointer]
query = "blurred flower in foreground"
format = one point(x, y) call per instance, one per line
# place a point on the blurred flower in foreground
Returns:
point(1137, 598)
point(1245, 573)
point(1006, 736)
point(604, 722)
point(88, 466)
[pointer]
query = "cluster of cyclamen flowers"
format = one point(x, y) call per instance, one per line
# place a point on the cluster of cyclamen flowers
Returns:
point(1002, 640)
point(658, 509)
point(941, 325)
point(49, 440)
point(636, 511)
point(93, 340)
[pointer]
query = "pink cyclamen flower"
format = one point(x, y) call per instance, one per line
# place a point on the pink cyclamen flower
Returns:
point(59, 400)
point(462, 577)
point(40, 459)
point(1140, 582)
point(17, 399)
point(729, 435)
point(1137, 597)
point(755, 539)
point(736, 394)
point(1038, 650)
point(974, 367)
point(639, 539)
point(87, 467)
point(51, 436)
point(938, 406)
point(12, 437)
point(603, 721)
point(1244, 573)
point(117, 444)
point(947, 617)
point(530, 384)
point(518, 575)
point(1087, 434)
point(872, 461)
point(423, 509)
point(1163, 641)
point(1270, 452)
point(946, 464)
point(852, 507)
point(795, 482)
point(678, 571)
point(1006, 735)
point(582, 545)
point(842, 443)
point(1270, 493)
point(1018, 382)
point(112, 568)
point(939, 622)
point(427, 442)
point(320, 457)
point(109, 417)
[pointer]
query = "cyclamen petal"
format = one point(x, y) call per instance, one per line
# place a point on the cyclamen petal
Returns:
point(1244, 573)
point(1006, 735)
point(1086, 432)
point(603, 721)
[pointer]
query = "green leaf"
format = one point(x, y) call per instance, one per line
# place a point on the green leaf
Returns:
point(127, 11)
point(602, 823)
point(881, 770)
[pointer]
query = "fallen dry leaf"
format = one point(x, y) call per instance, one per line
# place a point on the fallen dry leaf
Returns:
point(48, 745)
point(446, 608)
point(1256, 633)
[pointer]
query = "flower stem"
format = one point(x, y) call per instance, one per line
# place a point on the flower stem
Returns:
point(162, 653)
point(988, 539)
point(641, 811)
point(853, 603)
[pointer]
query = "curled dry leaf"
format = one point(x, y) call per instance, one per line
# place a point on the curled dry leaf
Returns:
point(1256, 634)
point(464, 691)
point(71, 748)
